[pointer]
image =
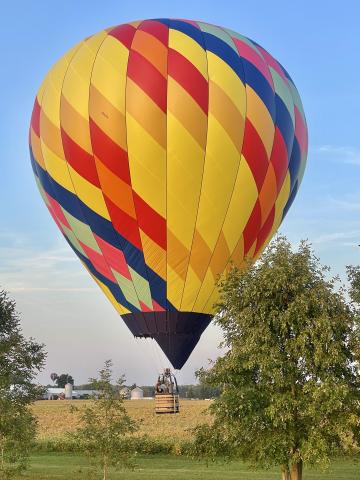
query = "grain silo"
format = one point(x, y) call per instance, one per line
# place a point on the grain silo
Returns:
point(68, 391)
point(137, 394)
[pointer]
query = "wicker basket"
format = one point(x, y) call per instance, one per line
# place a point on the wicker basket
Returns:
point(166, 403)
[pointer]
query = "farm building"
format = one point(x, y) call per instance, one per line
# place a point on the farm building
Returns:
point(55, 393)
point(137, 393)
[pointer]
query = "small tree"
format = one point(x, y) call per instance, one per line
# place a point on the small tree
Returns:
point(63, 379)
point(20, 361)
point(290, 386)
point(105, 424)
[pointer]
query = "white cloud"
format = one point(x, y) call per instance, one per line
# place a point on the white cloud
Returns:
point(342, 154)
point(343, 238)
point(25, 268)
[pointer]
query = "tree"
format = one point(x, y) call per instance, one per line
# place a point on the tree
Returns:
point(105, 423)
point(20, 361)
point(63, 379)
point(354, 280)
point(290, 386)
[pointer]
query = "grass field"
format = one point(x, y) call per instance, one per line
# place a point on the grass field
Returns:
point(55, 419)
point(57, 466)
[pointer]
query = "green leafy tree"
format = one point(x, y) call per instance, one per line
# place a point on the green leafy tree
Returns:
point(63, 379)
point(354, 280)
point(105, 425)
point(290, 388)
point(20, 361)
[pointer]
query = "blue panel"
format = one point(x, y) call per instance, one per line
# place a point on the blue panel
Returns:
point(184, 27)
point(291, 199)
point(285, 124)
point(295, 161)
point(225, 52)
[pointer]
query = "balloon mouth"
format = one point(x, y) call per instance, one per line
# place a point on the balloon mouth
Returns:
point(177, 333)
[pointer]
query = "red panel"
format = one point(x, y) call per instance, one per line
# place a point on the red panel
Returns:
point(81, 161)
point(144, 308)
point(255, 153)
point(56, 208)
point(157, 307)
point(98, 262)
point(301, 130)
point(124, 224)
point(110, 153)
point(153, 224)
point(35, 118)
point(124, 33)
point(157, 29)
point(114, 257)
point(266, 229)
point(252, 228)
point(148, 78)
point(189, 77)
point(279, 158)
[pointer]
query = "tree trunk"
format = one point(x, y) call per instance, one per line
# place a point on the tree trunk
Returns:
point(285, 474)
point(105, 477)
point(296, 471)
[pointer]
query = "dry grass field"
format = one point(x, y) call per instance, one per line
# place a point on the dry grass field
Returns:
point(55, 419)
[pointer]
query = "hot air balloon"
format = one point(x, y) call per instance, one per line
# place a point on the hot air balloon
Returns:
point(167, 150)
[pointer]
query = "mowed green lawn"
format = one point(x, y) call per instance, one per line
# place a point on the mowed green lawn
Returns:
point(61, 466)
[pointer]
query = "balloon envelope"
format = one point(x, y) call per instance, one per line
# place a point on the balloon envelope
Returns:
point(167, 150)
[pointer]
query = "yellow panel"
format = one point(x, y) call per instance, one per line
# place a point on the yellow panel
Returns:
point(140, 106)
point(190, 49)
point(109, 73)
point(57, 168)
point(36, 148)
point(225, 77)
point(186, 140)
point(221, 165)
point(187, 112)
point(155, 256)
point(51, 102)
point(89, 194)
point(107, 116)
point(177, 284)
point(77, 80)
point(227, 104)
point(280, 204)
point(192, 286)
point(260, 118)
point(241, 205)
point(214, 298)
point(147, 160)
point(208, 285)
point(75, 125)
point(185, 168)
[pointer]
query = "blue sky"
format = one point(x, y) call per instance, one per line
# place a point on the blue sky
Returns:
point(317, 42)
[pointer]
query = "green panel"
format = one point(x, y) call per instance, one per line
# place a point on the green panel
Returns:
point(142, 288)
point(42, 191)
point(73, 240)
point(296, 98)
point(128, 289)
point(243, 39)
point(282, 89)
point(82, 231)
point(217, 32)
